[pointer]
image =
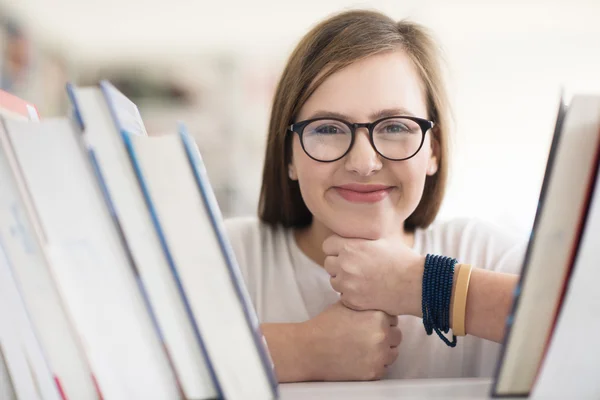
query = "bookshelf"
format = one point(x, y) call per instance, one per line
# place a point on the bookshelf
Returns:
point(472, 388)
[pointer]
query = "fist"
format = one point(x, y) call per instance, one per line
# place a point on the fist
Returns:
point(382, 274)
point(352, 345)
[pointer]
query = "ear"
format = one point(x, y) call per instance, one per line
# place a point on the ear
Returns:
point(292, 172)
point(433, 163)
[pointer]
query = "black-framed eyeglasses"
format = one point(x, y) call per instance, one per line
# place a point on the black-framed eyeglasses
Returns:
point(395, 138)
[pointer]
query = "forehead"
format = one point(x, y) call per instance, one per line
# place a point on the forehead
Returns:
point(380, 82)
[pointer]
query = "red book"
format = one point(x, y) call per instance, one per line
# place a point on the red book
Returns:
point(15, 107)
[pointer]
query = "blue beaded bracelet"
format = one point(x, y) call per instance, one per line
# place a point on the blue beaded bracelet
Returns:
point(437, 291)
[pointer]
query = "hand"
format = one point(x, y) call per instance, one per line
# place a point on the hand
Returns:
point(351, 345)
point(382, 274)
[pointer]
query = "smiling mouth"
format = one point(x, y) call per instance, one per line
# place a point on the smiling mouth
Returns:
point(363, 193)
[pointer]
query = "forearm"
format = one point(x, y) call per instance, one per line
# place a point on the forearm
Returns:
point(288, 348)
point(489, 302)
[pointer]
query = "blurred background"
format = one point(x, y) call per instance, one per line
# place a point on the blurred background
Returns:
point(214, 65)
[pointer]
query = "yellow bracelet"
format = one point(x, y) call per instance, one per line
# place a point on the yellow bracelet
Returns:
point(459, 307)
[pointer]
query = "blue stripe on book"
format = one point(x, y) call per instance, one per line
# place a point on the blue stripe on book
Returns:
point(213, 210)
point(170, 260)
point(76, 112)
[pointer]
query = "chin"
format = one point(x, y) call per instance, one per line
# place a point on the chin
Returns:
point(357, 226)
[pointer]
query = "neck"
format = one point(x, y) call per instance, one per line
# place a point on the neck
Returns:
point(310, 240)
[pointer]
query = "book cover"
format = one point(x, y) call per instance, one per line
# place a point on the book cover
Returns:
point(212, 209)
point(552, 247)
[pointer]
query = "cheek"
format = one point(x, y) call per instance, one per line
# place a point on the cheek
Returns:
point(313, 176)
point(411, 174)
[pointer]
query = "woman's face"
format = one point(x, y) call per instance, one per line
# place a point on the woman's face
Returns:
point(364, 195)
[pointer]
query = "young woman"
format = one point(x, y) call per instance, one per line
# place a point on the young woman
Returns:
point(340, 262)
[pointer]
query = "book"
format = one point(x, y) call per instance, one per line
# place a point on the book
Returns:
point(7, 387)
point(14, 107)
point(90, 264)
point(17, 376)
point(553, 245)
point(573, 360)
point(30, 268)
point(103, 114)
point(186, 216)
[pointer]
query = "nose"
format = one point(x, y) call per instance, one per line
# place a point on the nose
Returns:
point(362, 158)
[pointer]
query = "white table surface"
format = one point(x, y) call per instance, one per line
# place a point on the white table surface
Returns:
point(464, 388)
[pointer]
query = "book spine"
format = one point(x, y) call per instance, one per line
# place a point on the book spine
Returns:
point(169, 257)
point(118, 226)
point(212, 208)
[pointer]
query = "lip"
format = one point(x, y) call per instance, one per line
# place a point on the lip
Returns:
point(363, 193)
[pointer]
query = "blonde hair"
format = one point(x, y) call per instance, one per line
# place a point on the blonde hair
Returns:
point(330, 46)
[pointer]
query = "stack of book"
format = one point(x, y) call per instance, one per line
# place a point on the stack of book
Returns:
point(116, 278)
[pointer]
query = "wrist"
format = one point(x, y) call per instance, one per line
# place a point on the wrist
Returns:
point(308, 344)
point(289, 346)
point(454, 279)
point(416, 298)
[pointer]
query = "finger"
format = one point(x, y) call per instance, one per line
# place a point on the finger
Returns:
point(332, 245)
point(391, 356)
point(349, 304)
point(395, 336)
point(331, 265)
point(335, 283)
point(392, 320)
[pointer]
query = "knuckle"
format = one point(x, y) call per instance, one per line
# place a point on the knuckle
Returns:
point(379, 337)
point(347, 248)
point(393, 355)
point(350, 287)
point(375, 373)
point(359, 246)
point(398, 338)
point(379, 317)
point(335, 285)
point(342, 262)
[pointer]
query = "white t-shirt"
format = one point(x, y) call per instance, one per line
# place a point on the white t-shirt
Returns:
point(287, 286)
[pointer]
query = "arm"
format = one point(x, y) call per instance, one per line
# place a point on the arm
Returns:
point(380, 275)
point(339, 344)
point(287, 346)
point(489, 301)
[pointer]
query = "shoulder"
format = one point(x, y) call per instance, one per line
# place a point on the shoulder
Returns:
point(475, 241)
point(262, 253)
point(250, 229)
point(251, 238)
point(243, 228)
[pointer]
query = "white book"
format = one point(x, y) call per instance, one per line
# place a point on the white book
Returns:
point(101, 131)
point(572, 365)
point(187, 216)
point(16, 377)
point(7, 389)
point(570, 172)
point(90, 264)
point(32, 274)
point(16, 319)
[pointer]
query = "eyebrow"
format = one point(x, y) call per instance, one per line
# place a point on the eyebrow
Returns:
point(389, 112)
